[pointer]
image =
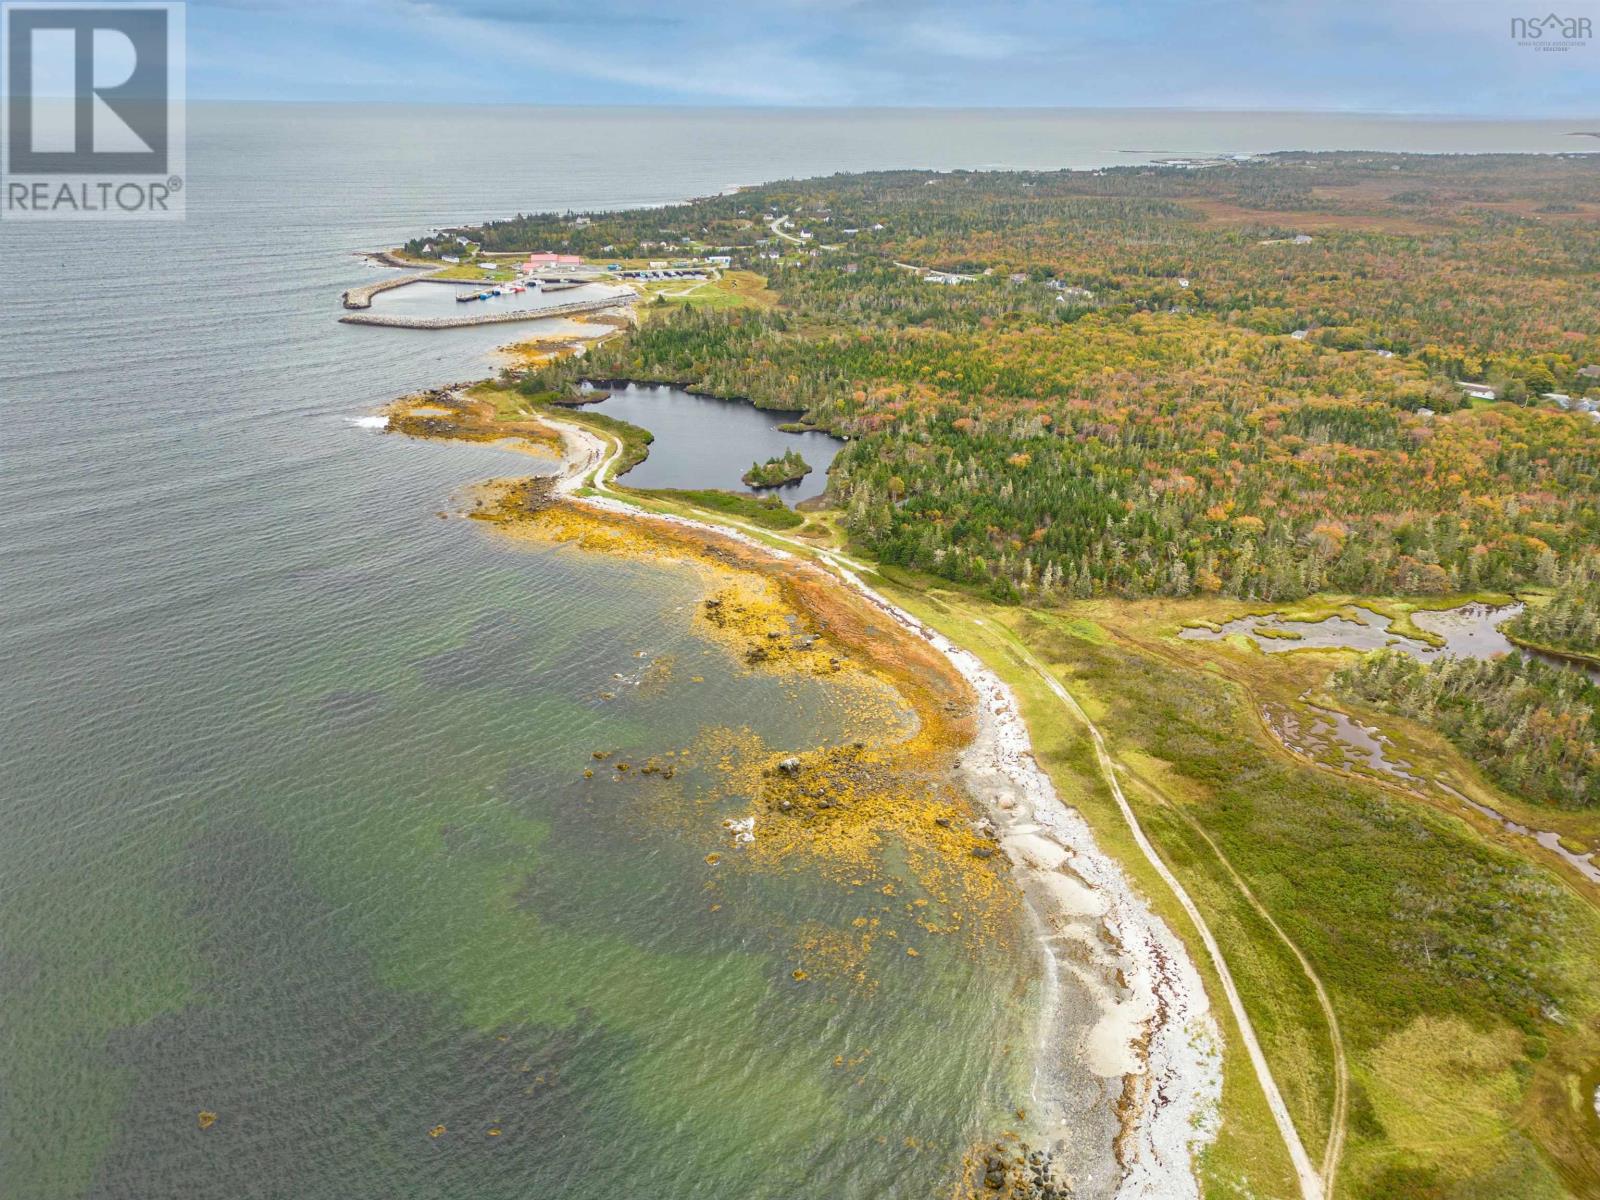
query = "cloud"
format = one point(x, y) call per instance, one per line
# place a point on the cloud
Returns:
point(957, 41)
point(1421, 56)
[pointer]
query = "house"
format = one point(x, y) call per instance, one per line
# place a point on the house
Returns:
point(720, 260)
point(1478, 391)
point(547, 259)
point(450, 258)
point(1183, 283)
point(1299, 335)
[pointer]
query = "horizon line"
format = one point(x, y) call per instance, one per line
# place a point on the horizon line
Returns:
point(948, 108)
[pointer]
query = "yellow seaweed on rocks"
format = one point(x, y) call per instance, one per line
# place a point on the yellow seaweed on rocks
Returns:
point(836, 956)
point(436, 1131)
point(457, 414)
point(207, 1118)
point(845, 811)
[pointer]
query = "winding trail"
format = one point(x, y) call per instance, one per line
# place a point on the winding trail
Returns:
point(1158, 1001)
point(1311, 1182)
point(598, 457)
point(1339, 1118)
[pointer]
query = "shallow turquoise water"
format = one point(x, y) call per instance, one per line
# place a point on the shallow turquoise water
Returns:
point(293, 827)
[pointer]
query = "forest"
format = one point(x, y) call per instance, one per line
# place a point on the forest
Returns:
point(1242, 379)
point(1066, 390)
point(1569, 622)
point(1533, 728)
point(778, 470)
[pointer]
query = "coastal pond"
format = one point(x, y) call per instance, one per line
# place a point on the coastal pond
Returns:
point(709, 442)
point(301, 862)
point(1467, 631)
point(1470, 631)
point(296, 826)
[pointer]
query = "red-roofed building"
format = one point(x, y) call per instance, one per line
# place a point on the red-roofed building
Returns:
point(546, 259)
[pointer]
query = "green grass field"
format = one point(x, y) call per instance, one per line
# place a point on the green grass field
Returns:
point(767, 511)
point(1464, 976)
point(1462, 966)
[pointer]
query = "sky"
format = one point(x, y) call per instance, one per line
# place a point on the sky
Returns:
point(1449, 57)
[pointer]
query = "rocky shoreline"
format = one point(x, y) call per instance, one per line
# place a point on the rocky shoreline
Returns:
point(1149, 1041)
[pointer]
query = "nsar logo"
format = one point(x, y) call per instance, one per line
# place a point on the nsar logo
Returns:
point(1552, 32)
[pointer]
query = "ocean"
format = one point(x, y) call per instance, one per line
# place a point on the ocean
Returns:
point(294, 833)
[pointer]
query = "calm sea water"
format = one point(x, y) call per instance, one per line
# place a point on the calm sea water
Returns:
point(292, 822)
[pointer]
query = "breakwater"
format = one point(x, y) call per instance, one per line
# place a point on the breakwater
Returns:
point(361, 297)
point(398, 321)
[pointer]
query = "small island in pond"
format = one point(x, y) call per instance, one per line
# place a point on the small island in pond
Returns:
point(776, 472)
